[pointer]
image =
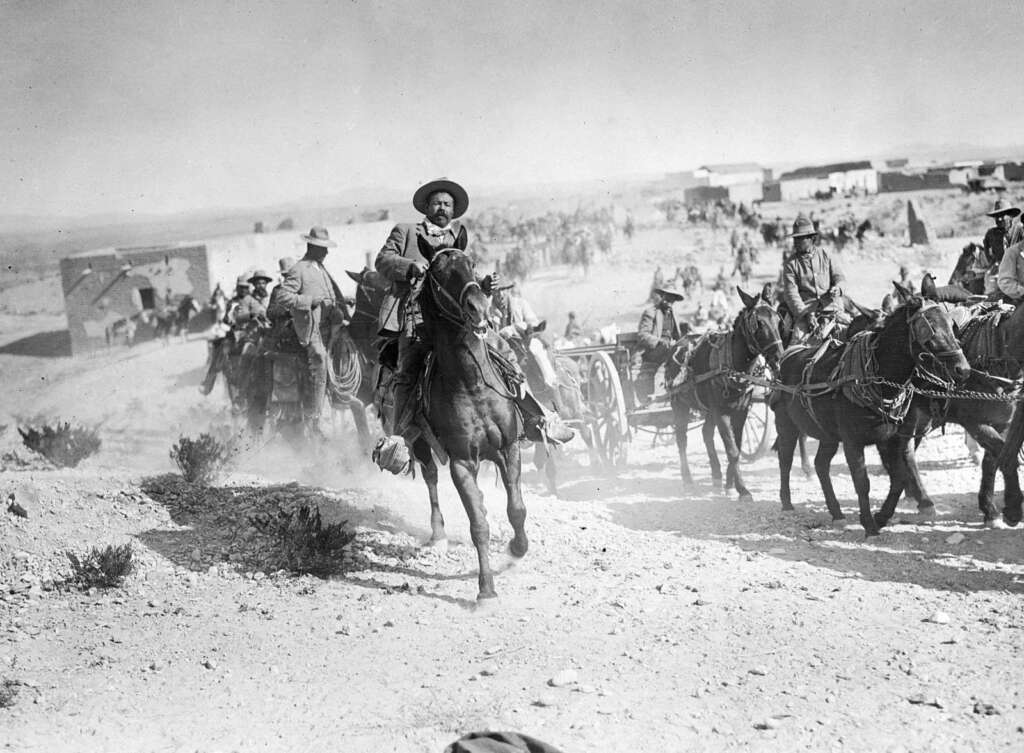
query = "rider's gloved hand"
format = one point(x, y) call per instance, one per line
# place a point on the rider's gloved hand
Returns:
point(835, 291)
point(416, 270)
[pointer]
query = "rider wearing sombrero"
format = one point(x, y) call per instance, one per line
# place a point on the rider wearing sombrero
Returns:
point(403, 260)
point(657, 332)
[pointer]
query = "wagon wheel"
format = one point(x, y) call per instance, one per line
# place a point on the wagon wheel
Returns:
point(759, 429)
point(606, 401)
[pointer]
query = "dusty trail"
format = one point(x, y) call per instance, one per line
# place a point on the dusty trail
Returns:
point(690, 622)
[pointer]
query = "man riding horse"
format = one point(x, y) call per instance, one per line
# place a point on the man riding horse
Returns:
point(316, 305)
point(403, 261)
point(809, 275)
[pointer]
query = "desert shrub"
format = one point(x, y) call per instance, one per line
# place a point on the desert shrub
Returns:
point(8, 693)
point(200, 460)
point(307, 546)
point(101, 568)
point(61, 443)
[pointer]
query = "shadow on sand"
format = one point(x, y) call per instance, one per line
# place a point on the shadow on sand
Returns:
point(953, 552)
point(55, 344)
point(239, 524)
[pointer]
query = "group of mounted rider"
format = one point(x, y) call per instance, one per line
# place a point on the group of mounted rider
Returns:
point(852, 376)
point(300, 324)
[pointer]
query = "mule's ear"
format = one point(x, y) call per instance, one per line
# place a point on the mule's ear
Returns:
point(903, 294)
point(356, 276)
point(767, 292)
point(463, 240)
point(541, 326)
point(748, 300)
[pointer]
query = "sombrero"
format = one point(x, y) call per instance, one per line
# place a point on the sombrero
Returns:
point(1003, 207)
point(260, 274)
point(318, 236)
point(457, 192)
point(803, 228)
point(242, 281)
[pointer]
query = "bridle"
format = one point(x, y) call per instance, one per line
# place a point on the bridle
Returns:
point(449, 307)
point(929, 360)
point(748, 330)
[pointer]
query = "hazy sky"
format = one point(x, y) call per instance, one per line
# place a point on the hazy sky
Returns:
point(158, 107)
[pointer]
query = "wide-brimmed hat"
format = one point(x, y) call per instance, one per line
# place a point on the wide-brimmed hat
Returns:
point(803, 228)
point(242, 281)
point(1003, 207)
point(670, 291)
point(450, 187)
point(318, 236)
point(285, 263)
point(260, 274)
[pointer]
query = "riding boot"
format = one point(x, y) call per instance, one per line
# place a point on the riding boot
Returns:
point(404, 407)
point(540, 424)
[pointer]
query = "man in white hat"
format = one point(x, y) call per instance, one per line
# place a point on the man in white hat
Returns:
point(314, 300)
point(658, 331)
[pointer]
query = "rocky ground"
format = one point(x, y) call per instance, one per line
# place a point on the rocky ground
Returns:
point(642, 618)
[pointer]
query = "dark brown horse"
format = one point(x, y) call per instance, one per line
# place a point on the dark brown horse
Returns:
point(993, 342)
point(871, 403)
point(721, 397)
point(469, 408)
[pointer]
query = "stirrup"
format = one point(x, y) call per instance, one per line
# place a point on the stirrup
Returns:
point(391, 454)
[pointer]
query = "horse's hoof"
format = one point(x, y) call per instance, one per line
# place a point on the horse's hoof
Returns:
point(871, 532)
point(996, 523)
point(838, 524)
point(925, 514)
point(1011, 520)
point(788, 507)
point(486, 605)
point(746, 499)
point(518, 551)
point(440, 545)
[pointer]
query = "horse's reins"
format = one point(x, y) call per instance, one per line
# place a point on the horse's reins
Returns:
point(920, 331)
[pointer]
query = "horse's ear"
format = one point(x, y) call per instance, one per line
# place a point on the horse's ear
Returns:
point(767, 292)
point(463, 238)
point(356, 276)
point(541, 326)
point(904, 294)
point(748, 300)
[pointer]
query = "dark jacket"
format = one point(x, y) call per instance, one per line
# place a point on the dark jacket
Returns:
point(406, 245)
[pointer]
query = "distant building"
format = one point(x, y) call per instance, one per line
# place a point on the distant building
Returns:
point(841, 178)
point(744, 181)
point(104, 286)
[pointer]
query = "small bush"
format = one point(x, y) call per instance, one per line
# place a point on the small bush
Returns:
point(101, 568)
point(8, 693)
point(308, 546)
point(200, 460)
point(63, 445)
